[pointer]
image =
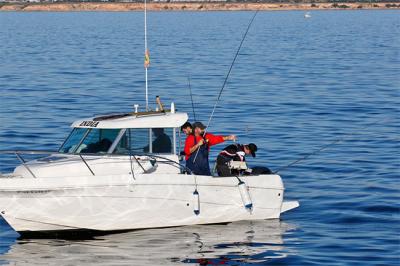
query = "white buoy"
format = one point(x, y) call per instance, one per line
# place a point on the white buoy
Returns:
point(244, 193)
point(196, 202)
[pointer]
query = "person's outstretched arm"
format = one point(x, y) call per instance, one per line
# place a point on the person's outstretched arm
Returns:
point(214, 140)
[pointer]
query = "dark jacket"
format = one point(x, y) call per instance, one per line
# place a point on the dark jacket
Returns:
point(233, 152)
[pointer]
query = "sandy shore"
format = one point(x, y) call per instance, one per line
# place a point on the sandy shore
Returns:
point(210, 6)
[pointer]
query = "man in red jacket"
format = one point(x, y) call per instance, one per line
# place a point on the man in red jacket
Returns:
point(197, 149)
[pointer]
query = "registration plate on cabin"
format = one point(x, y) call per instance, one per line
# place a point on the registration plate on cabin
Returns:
point(88, 124)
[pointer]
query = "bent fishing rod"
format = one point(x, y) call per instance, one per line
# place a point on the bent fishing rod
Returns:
point(226, 78)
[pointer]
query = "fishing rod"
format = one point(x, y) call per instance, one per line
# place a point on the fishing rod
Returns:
point(230, 69)
point(191, 98)
point(326, 146)
point(227, 76)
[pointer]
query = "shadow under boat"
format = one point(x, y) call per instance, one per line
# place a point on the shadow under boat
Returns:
point(80, 234)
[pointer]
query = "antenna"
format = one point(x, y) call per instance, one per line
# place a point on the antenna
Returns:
point(146, 55)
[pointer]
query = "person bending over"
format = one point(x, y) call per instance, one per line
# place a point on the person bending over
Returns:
point(234, 152)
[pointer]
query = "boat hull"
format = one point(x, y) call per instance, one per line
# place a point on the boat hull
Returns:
point(115, 203)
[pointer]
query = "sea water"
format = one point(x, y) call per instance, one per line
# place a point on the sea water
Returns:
point(297, 85)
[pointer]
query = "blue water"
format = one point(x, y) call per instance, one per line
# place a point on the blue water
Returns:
point(296, 86)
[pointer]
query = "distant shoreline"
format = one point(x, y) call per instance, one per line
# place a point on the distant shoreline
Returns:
point(189, 6)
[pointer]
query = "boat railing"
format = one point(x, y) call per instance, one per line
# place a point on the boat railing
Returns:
point(132, 157)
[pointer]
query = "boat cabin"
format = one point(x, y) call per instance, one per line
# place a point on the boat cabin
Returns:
point(124, 134)
point(114, 145)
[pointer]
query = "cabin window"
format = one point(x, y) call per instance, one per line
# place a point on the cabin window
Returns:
point(73, 140)
point(98, 141)
point(137, 140)
point(162, 140)
point(122, 147)
point(92, 140)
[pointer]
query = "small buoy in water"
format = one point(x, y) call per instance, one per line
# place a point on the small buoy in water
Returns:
point(196, 202)
point(244, 193)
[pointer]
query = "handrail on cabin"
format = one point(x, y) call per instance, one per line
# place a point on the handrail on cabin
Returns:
point(23, 162)
point(32, 152)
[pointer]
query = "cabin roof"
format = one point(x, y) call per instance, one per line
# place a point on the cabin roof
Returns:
point(134, 120)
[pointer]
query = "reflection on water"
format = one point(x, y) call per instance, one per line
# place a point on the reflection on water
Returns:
point(230, 244)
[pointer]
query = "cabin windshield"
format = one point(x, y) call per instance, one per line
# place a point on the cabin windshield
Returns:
point(92, 140)
point(120, 141)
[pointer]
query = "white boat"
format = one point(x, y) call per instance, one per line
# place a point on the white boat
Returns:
point(122, 172)
point(307, 15)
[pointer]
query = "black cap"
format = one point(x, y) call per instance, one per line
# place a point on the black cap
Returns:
point(199, 125)
point(252, 148)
